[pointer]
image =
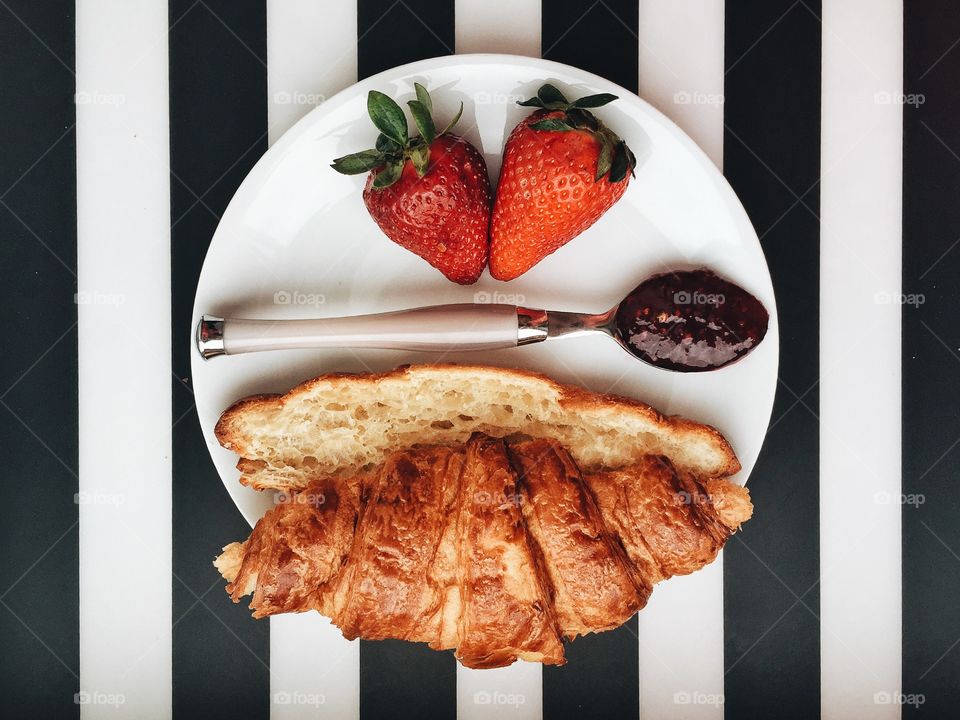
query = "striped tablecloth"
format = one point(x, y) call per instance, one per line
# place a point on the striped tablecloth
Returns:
point(128, 124)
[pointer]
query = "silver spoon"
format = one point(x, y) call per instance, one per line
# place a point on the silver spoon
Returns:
point(687, 321)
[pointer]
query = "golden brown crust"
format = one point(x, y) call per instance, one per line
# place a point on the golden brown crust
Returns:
point(730, 502)
point(452, 547)
point(397, 539)
point(296, 549)
point(507, 611)
point(593, 589)
point(666, 521)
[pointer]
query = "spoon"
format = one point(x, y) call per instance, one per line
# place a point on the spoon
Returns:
point(686, 321)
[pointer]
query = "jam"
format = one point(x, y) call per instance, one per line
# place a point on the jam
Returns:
point(690, 321)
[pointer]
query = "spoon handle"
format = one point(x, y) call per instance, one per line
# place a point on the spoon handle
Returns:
point(456, 327)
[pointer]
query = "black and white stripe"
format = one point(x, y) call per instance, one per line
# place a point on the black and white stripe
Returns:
point(177, 100)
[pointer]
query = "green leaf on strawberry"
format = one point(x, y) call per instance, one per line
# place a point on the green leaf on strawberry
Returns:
point(620, 163)
point(423, 120)
point(593, 101)
point(387, 146)
point(387, 116)
point(550, 96)
point(424, 97)
point(553, 125)
point(420, 157)
point(615, 159)
point(357, 163)
point(604, 160)
point(389, 175)
point(456, 119)
point(394, 146)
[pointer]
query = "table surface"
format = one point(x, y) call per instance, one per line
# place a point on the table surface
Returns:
point(127, 127)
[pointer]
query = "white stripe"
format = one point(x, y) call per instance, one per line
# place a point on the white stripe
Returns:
point(498, 26)
point(514, 692)
point(311, 55)
point(681, 629)
point(314, 671)
point(681, 67)
point(860, 391)
point(123, 226)
point(513, 27)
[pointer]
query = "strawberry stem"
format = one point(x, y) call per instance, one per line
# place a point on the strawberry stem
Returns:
point(615, 159)
point(394, 146)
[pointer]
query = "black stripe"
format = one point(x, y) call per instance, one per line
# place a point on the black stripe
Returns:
point(772, 158)
point(600, 37)
point(406, 680)
point(39, 603)
point(602, 676)
point(396, 32)
point(398, 679)
point(218, 123)
point(931, 358)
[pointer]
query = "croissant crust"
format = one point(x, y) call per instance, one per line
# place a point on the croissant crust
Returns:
point(498, 549)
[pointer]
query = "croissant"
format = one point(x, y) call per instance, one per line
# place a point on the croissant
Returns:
point(498, 549)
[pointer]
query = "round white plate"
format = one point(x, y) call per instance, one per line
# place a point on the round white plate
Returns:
point(296, 241)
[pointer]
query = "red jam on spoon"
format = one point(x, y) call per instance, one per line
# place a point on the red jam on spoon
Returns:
point(690, 321)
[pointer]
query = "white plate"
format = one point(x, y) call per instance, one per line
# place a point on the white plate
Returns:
point(296, 241)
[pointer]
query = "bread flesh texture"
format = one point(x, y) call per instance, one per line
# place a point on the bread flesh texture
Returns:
point(334, 424)
point(471, 567)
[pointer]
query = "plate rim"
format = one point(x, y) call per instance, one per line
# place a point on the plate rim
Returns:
point(301, 126)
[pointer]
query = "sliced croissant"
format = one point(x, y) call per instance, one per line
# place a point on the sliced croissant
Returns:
point(340, 422)
point(497, 549)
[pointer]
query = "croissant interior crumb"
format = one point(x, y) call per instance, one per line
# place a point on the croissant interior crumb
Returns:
point(339, 423)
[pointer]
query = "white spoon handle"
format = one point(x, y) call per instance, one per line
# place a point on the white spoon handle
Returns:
point(439, 327)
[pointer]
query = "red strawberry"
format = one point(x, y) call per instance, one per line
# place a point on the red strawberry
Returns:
point(562, 170)
point(429, 194)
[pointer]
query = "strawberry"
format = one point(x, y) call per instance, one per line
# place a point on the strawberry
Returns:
point(562, 170)
point(429, 194)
